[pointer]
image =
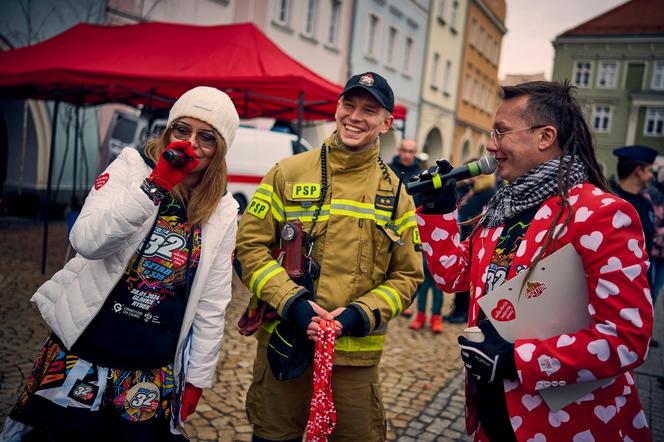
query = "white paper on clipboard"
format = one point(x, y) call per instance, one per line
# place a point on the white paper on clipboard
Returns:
point(553, 301)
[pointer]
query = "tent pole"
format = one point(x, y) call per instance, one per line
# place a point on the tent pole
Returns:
point(76, 134)
point(54, 130)
point(300, 111)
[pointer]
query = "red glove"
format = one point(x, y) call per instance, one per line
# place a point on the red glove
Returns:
point(190, 398)
point(165, 175)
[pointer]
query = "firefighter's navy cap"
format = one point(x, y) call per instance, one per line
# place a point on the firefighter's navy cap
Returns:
point(375, 85)
point(637, 152)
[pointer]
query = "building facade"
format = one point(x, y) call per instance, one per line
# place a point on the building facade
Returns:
point(440, 77)
point(616, 60)
point(388, 37)
point(478, 83)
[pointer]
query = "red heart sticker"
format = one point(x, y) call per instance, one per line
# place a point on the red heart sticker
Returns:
point(503, 311)
point(179, 258)
point(103, 179)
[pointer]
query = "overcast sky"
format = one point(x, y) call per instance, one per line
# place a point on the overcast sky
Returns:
point(533, 24)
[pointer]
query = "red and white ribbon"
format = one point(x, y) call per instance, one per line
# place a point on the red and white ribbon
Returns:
point(323, 414)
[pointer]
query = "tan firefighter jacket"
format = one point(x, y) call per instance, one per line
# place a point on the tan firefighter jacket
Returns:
point(358, 265)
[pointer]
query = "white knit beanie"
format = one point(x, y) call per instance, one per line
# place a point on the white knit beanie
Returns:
point(211, 106)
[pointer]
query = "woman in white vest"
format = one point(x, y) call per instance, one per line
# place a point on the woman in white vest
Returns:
point(137, 316)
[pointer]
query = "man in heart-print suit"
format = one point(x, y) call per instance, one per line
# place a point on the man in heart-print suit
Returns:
point(556, 196)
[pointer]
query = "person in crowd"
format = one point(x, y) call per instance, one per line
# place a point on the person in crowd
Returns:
point(361, 263)
point(137, 316)
point(407, 163)
point(556, 196)
point(655, 193)
point(634, 175)
point(481, 190)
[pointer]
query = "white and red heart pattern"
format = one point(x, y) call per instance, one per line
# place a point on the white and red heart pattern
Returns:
point(606, 288)
point(592, 241)
point(607, 328)
point(538, 437)
point(480, 253)
point(584, 436)
point(632, 271)
point(525, 351)
point(419, 220)
point(640, 420)
point(516, 422)
point(438, 279)
point(620, 402)
point(634, 247)
point(565, 340)
point(509, 385)
point(582, 215)
point(558, 418)
point(607, 201)
point(599, 348)
point(611, 265)
point(573, 199)
point(531, 401)
point(621, 220)
point(585, 375)
point(426, 247)
point(605, 414)
point(540, 236)
point(591, 309)
point(632, 315)
point(626, 356)
point(543, 213)
point(496, 234)
point(522, 248)
point(450, 216)
point(439, 234)
point(447, 261)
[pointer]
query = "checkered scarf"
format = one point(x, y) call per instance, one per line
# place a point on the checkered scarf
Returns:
point(530, 190)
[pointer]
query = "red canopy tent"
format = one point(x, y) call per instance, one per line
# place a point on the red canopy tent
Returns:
point(151, 64)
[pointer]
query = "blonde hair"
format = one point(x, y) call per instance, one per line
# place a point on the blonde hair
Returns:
point(201, 200)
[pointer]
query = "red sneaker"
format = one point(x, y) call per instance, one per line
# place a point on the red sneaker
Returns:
point(418, 322)
point(436, 324)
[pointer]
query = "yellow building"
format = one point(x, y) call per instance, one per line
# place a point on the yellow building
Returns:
point(478, 85)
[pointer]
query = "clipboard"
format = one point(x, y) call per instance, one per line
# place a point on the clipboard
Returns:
point(553, 301)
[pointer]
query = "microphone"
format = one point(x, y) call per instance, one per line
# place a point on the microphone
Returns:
point(483, 166)
point(176, 157)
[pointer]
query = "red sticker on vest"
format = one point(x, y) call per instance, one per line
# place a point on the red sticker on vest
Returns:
point(504, 311)
point(103, 179)
point(179, 257)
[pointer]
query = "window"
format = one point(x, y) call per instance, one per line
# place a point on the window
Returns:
point(606, 78)
point(476, 93)
point(435, 66)
point(333, 30)
point(489, 47)
point(480, 40)
point(582, 71)
point(483, 97)
point(372, 35)
point(310, 17)
point(391, 46)
point(654, 126)
point(455, 12)
point(466, 91)
point(658, 75)
point(441, 10)
point(601, 118)
point(473, 30)
point(282, 13)
point(407, 52)
point(446, 78)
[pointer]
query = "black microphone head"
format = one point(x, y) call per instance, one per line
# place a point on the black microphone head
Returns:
point(488, 165)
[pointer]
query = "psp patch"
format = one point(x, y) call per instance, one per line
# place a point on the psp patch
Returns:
point(258, 208)
point(83, 392)
point(305, 191)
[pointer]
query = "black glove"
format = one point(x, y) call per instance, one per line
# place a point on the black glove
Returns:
point(441, 200)
point(300, 314)
point(491, 359)
point(351, 321)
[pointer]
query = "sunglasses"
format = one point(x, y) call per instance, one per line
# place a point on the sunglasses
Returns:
point(205, 138)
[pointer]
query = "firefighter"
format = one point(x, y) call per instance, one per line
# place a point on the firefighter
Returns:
point(361, 269)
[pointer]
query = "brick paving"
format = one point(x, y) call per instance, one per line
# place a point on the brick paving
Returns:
point(420, 372)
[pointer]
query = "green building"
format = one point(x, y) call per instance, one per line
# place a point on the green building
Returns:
point(617, 62)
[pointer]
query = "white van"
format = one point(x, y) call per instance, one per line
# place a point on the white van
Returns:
point(252, 154)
